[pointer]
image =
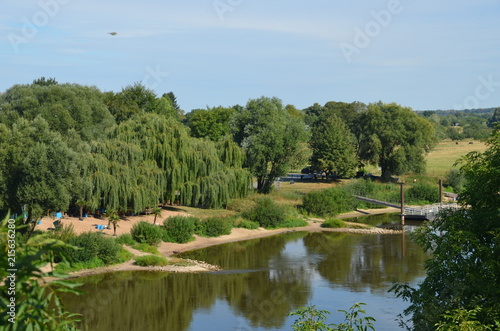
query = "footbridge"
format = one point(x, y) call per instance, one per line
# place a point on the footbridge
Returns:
point(427, 212)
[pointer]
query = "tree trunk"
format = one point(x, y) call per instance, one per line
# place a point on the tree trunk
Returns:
point(81, 213)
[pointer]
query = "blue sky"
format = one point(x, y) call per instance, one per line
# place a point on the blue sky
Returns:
point(418, 53)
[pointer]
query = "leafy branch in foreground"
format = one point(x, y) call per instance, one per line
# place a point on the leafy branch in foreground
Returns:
point(312, 319)
point(29, 303)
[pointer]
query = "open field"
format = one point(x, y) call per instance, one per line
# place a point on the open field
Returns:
point(441, 159)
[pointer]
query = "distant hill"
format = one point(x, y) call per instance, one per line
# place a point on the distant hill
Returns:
point(477, 111)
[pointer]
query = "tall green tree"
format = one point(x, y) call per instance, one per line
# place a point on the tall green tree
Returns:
point(63, 106)
point(394, 138)
point(271, 138)
point(463, 274)
point(495, 118)
point(39, 168)
point(332, 146)
point(212, 123)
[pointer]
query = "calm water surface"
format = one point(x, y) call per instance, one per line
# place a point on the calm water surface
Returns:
point(262, 281)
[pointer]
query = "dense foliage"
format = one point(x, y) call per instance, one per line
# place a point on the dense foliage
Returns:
point(463, 275)
point(268, 213)
point(147, 233)
point(180, 229)
point(92, 245)
point(271, 137)
point(328, 202)
point(67, 147)
point(36, 307)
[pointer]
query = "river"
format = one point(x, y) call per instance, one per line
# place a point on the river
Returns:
point(261, 282)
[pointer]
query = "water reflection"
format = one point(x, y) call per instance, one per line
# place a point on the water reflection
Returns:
point(263, 280)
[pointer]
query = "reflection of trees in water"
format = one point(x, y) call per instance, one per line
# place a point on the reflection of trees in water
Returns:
point(267, 281)
point(245, 255)
point(264, 297)
point(141, 301)
point(162, 301)
point(266, 300)
point(365, 261)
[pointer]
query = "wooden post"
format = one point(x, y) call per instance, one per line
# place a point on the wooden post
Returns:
point(402, 203)
point(440, 192)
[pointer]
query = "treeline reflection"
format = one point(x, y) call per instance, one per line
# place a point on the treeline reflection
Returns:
point(263, 280)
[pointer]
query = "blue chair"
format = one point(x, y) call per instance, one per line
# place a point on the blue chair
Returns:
point(101, 227)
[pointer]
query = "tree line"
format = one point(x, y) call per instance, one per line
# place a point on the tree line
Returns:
point(68, 146)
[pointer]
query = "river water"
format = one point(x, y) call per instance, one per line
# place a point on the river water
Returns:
point(261, 282)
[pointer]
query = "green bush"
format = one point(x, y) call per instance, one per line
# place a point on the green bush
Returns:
point(293, 223)
point(215, 226)
point(64, 233)
point(246, 224)
point(333, 223)
point(240, 205)
point(144, 232)
point(456, 180)
point(94, 244)
point(267, 213)
point(179, 229)
point(150, 260)
point(423, 192)
point(80, 265)
point(329, 202)
point(125, 239)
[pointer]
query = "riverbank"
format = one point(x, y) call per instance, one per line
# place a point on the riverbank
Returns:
point(170, 249)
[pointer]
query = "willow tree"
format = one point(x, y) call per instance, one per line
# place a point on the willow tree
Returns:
point(271, 138)
point(196, 172)
point(122, 178)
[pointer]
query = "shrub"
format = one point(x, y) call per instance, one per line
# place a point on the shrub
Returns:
point(215, 226)
point(65, 233)
point(179, 229)
point(293, 222)
point(144, 232)
point(94, 244)
point(333, 223)
point(329, 202)
point(267, 213)
point(150, 260)
point(240, 205)
point(423, 192)
point(455, 179)
point(125, 239)
point(246, 224)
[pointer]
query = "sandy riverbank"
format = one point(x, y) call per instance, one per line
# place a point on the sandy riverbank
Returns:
point(169, 249)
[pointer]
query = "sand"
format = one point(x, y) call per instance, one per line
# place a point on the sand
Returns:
point(169, 249)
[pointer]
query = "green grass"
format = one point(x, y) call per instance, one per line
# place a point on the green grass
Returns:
point(150, 260)
point(441, 159)
point(334, 223)
point(181, 263)
point(143, 247)
point(293, 223)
